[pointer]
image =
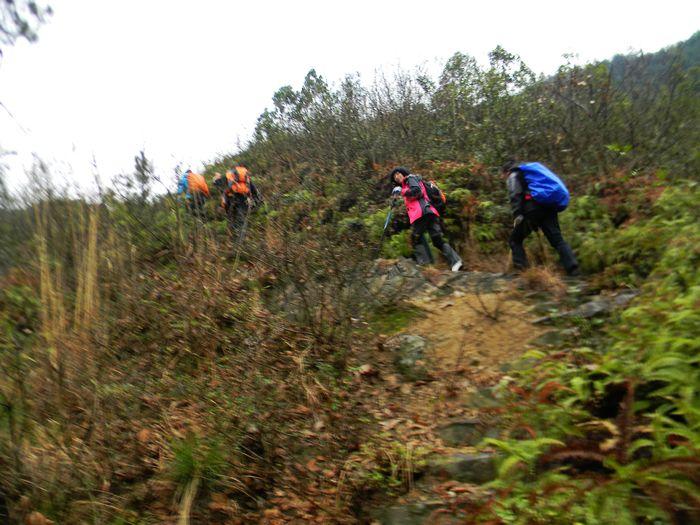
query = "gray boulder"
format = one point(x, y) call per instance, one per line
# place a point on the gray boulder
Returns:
point(481, 282)
point(599, 305)
point(418, 513)
point(466, 468)
point(391, 281)
point(555, 337)
point(409, 356)
point(466, 432)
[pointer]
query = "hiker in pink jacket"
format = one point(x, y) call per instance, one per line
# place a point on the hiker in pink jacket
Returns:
point(422, 215)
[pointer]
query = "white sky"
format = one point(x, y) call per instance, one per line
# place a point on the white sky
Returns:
point(186, 79)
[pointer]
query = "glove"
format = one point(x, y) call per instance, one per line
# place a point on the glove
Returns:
point(518, 220)
point(396, 192)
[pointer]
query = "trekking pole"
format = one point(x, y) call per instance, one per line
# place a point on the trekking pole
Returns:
point(386, 225)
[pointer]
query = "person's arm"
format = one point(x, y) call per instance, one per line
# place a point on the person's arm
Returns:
point(516, 194)
point(412, 190)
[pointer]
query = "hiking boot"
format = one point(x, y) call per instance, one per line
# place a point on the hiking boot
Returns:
point(453, 259)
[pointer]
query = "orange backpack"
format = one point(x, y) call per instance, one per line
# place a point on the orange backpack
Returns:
point(238, 181)
point(197, 184)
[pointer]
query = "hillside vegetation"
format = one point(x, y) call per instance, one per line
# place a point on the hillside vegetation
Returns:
point(154, 370)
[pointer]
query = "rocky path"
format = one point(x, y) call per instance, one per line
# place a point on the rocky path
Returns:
point(440, 402)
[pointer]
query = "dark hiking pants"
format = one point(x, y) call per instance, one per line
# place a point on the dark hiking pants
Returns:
point(421, 251)
point(195, 205)
point(548, 221)
point(237, 211)
point(427, 224)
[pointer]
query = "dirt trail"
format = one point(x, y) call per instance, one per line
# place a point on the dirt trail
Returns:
point(468, 329)
point(470, 337)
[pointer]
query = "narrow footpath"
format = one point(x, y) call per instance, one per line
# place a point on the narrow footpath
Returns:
point(468, 330)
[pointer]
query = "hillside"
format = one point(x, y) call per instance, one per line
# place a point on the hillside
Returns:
point(687, 53)
point(160, 366)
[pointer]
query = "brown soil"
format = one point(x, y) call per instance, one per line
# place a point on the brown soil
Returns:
point(467, 348)
point(484, 330)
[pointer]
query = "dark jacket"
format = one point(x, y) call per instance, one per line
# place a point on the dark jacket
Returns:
point(521, 203)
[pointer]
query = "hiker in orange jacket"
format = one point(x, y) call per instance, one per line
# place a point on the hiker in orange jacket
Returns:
point(196, 191)
point(238, 196)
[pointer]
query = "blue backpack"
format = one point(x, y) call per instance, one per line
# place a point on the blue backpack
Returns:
point(544, 186)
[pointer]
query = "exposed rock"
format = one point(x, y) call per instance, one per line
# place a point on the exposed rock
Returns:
point(477, 281)
point(466, 432)
point(408, 514)
point(555, 337)
point(467, 468)
point(391, 280)
point(439, 279)
point(599, 305)
point(483, 398)
point(545, 308)
point(394, 280)
point(409, 356)
point(590, 309)
point(575, 286)
point(623, 298)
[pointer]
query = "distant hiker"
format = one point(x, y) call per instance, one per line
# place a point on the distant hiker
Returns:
point(196, 191)
point(423, 217)
point(238, 196)
point(537, 196)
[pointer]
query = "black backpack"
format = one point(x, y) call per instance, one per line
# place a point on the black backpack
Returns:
point(436, 195)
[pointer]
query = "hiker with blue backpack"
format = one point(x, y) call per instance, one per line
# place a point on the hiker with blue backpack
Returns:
point(537, 196)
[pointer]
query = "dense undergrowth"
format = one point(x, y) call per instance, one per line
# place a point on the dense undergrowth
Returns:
point(615, 428)
point(153, 369)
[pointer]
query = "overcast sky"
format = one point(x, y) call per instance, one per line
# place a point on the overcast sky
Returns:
point(186, 80)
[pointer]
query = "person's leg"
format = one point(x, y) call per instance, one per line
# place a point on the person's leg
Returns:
point(453, 258)
point(426, 247)
point(549, 225)
point(517, 237)
point(242, 214)
point(198, 205)
point(230, 208)
point(417, 230)
point(433, 227)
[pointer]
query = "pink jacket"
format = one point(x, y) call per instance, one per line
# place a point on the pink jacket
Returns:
point(411, 185)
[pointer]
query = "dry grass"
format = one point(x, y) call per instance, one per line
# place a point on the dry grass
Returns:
point(543, 279)
point(124, 344)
